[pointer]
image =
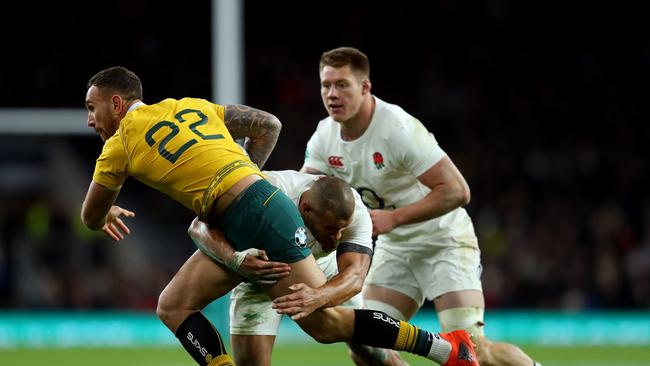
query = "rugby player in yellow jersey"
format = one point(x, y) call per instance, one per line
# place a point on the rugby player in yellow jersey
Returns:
point(186, 149)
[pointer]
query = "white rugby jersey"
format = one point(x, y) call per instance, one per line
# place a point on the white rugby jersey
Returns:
point(294, 183)
point(383, 165)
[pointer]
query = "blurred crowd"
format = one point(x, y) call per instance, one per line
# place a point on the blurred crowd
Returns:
point(541, 110)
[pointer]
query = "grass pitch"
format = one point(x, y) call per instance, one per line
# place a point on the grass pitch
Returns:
point(309, 354)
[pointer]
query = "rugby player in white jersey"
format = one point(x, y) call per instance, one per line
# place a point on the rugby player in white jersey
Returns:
point(341, 241)
point(426, 246)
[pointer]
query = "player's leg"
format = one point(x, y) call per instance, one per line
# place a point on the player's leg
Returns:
point(464, 310)
point(253, 326)
point(370, 356)
point(197, 283)
point(397, 284)
point(360, 326)
point(252, 350)
point(459, 301)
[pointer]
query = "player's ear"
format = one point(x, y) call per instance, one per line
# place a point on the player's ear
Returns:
point(118, 104)
point(115, 102)
point(366, 85)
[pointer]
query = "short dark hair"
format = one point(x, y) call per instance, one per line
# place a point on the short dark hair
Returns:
point(331, 194)
point(343, 56)
point(120, 80)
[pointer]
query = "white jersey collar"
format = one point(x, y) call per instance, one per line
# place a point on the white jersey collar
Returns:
point(135, 105)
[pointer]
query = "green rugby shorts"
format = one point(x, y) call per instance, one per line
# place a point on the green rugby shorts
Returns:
point(264, 217)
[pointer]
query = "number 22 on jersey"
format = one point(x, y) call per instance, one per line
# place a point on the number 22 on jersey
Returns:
point(174, 129)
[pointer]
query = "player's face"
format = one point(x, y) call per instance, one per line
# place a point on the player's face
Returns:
point(325, 228)
point(101, 114)
point(342, 92)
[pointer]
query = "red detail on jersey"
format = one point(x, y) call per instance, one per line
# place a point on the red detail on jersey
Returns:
point(335, 161)
point(378, 159)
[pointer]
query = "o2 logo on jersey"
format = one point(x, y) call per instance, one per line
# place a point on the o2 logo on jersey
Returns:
point(301, 237)
point(335, 162)
point(372, 199)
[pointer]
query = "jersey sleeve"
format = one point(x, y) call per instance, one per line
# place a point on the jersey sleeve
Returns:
point(416, 148)
point(220, 111)
point(315, 153)
point(111, 166)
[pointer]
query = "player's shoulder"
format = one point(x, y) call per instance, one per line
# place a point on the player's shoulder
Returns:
point(393, 115)
point(396, 123)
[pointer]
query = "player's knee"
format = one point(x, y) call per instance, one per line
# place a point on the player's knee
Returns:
point(324, 337)
point(326, 333)
point(355, 358)
point(163, 311)
point(363, 355)
point(166, 310)
point(249, 359)
point(327, 325)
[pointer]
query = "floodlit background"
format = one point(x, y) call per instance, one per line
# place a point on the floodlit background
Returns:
point(542, 107)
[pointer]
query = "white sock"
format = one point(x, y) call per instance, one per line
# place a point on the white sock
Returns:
point(440, 350)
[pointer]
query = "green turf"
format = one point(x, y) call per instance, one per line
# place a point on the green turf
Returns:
point(300, 355)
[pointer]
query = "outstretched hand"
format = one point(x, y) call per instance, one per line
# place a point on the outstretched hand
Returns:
point(256, 267)
point(114, 227)
point(302, 302)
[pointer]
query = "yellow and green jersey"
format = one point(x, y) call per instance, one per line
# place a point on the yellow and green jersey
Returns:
point(179, 147)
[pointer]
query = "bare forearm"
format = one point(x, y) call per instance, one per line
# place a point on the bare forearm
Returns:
point(93, 221)
point(342, 287)
point(261, 128)
point(216, 245)
point(96, 206)
point(438, 202)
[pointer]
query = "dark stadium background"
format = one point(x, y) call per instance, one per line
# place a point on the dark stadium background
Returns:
point(543, 108)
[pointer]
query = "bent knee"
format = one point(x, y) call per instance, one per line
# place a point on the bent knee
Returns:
point(170, 313)
point(324, 337)
point(164, 312)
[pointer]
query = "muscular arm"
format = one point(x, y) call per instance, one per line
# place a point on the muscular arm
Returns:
point(353, 267)
point(261, 128)
point(449, 190)
point(211, 242)
point(254, 266)
point(96, 205)
point(98, 212)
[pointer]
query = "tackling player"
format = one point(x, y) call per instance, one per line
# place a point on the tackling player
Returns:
point(185, 148)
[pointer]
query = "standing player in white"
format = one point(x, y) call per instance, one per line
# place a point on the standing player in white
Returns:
point(426, 246)
point(340, 237)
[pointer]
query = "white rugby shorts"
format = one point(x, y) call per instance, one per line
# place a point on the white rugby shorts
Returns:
point(426, 271)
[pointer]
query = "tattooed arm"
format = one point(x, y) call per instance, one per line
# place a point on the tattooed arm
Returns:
point(261, 128)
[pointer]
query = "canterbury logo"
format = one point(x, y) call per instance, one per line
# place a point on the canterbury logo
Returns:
point(335, 161)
